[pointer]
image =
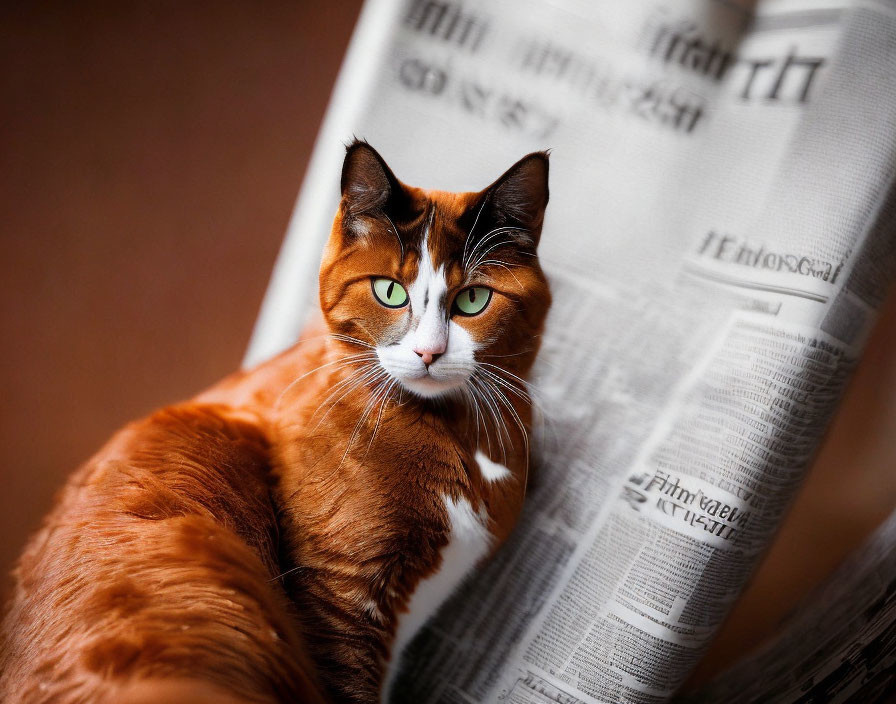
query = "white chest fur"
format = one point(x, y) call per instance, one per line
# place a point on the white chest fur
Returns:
point(468, 542)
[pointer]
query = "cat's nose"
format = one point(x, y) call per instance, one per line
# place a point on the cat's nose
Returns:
point(429, 356)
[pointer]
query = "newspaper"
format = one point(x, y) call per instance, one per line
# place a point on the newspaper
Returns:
point(720, 234)
point(839, 647)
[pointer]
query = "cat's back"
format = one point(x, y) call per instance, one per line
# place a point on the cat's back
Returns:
point(155, 567)
point(287, 381)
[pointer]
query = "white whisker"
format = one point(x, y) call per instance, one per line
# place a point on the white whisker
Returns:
point(517, 420)
point(480, 416)
point(521, 393)
point(395, 232)
point(342, 361)
point(495, 262)
point(352, 340)
point(361, 420)
point(472, 230)
point(379, 416)
point(487, 237)
point(371, 372)
point(496, 414)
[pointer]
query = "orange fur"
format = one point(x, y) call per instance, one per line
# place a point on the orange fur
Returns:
point(156, 565)
point(260, 541)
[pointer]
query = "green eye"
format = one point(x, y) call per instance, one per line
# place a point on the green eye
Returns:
point(473, 300)
point(390, 293)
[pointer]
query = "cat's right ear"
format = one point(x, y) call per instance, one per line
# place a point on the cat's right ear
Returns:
point(368, 184)
point(515, 202)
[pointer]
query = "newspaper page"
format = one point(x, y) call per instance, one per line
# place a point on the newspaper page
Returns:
point(717, 242)
point(839, 646)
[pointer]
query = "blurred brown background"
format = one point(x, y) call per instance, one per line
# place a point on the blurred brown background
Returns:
point(150, 155)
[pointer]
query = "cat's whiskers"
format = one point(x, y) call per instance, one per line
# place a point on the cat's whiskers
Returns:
point(500, 262)
point(487, 260)
point(379, 415)
point(512, 354)
point(479, 422)
point(484, 253)
point(472, 230)
point(516, 418)
point(287, 572)
point(492, 234)
point(492, 379)
point(522, 382)
point(504, 262)
point(368, 408)
point(495, 412)
point(480, 244)
point(369, 334)
point(522, 394)
point(505, 430)
point(542, 420)
point(395, 232)
point(342, 361)
point(464, 394)
point(346, 386)
point(480, 417)
point(519, 423)
point(352, 340)
point(500, 230)
point(380, 372)
point(368, 373)
point(503, 265)
point(479, 261)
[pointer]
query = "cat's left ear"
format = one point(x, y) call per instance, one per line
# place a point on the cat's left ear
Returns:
point(368, 184)
point(519, 197)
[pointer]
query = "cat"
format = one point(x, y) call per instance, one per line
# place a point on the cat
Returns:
point(282, 536)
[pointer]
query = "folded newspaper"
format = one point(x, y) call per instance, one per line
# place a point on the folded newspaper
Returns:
point(721, 232)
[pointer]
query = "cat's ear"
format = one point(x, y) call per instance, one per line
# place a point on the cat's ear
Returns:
point(368, 184)
point(519, 197)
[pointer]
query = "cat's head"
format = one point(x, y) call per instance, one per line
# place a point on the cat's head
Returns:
point(437, 291)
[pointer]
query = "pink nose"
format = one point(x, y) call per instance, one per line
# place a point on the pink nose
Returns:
point(429, 355)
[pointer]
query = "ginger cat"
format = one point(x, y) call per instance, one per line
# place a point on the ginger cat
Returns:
point(283, 535)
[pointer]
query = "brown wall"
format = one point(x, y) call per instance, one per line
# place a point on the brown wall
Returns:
point(151, 154)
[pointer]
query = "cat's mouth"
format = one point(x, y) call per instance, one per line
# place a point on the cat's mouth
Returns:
point(444, 377)
point(431, 383)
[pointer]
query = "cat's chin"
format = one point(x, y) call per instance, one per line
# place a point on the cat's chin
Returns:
point(431, 388)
